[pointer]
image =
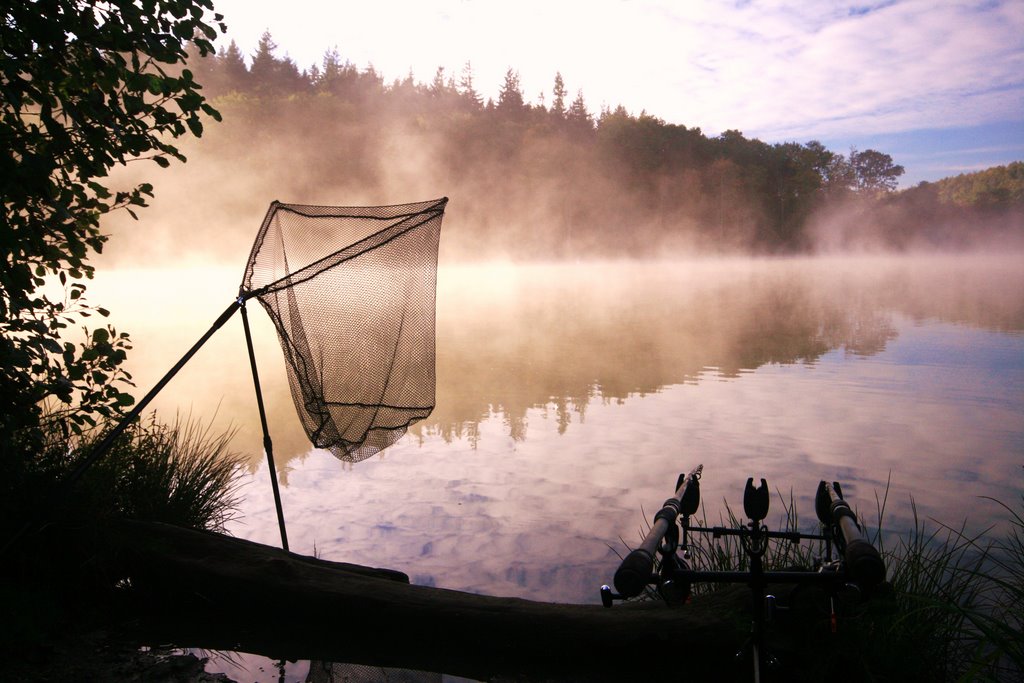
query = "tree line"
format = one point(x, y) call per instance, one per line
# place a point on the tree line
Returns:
point(614, 182)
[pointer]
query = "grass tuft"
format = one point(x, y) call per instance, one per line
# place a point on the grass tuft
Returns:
point(179, 473)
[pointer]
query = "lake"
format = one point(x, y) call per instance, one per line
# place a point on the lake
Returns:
point(569, 397)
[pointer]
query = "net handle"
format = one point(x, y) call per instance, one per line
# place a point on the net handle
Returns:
point(121, 426)
point(108, 441)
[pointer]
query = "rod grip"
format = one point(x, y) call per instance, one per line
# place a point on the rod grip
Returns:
point(637, 568)
point(634, 573)
point(863, 561)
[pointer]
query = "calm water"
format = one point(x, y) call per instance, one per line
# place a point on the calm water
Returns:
point(569, 397)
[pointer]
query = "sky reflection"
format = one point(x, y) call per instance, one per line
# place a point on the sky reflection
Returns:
point(539, 515)
point(569, 397)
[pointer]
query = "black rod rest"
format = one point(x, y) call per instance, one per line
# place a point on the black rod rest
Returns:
point(859, 565)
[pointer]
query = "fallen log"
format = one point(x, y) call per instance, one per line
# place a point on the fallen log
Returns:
point(198, 589)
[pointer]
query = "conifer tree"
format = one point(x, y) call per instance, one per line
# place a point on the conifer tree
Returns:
point(559, 92)
point(437, 87)
point(578, 114)
point(466, 88)
point(510, 97)
point(231, 64)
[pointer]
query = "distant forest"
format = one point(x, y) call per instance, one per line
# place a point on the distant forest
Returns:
point(548, 179)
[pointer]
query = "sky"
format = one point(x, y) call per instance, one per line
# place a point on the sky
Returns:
point(938, 85)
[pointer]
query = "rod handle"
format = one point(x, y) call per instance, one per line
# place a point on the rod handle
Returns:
point(634, 573)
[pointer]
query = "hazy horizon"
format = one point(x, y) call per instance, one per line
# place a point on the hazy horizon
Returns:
point(937, 85)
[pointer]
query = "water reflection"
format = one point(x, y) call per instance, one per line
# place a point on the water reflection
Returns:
point(538, 517)
point(516, 338)
point(511, 339)
point(557, 337)
point(569, 398)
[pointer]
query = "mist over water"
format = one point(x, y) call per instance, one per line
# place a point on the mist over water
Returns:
point(571, 394)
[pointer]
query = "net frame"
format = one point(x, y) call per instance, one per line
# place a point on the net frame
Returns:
point(405, 234)
point(407, 216)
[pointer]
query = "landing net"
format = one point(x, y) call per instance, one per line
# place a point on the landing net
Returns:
point(351, 293)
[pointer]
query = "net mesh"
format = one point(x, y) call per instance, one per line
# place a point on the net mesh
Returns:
point(351, 293)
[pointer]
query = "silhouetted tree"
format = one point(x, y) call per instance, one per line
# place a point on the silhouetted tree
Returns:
point(231, 64)
point(558, 96)
point(331, 67)
point(437, 87)
point(510, 97)
point(875, 171)
point(264, 64)
point(87, 86)
point(269, 74)
point(467, 89)
point(578, 115)
point(622, 169)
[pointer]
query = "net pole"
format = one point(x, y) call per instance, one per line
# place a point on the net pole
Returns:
point(111, 437)
point(268, 446)
point(101, 449)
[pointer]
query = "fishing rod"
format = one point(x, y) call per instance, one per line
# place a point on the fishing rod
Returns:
point(661, 560)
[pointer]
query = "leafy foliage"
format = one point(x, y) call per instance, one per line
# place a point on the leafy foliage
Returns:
point(996, 187)
point(874, 171)
point(86, 85)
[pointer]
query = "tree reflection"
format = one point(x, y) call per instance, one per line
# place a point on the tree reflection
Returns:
point(513, 339)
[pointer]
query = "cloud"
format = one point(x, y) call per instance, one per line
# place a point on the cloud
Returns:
point(778, 72)
point(772, 69)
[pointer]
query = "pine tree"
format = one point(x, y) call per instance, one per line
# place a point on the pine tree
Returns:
point(578, 114)
point(234, 74)
point(272, 75)
point(264, 64)
point(466, 88)
point(510, 97)
point(559, 92)
point(437, 88)
point(332, 67)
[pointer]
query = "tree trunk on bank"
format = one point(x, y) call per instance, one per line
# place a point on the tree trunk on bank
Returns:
point(199, 589)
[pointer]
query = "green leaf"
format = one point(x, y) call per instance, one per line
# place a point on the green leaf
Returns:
point(101, 192)
point(155, 84)
point(212, 112)
point(86, 86)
